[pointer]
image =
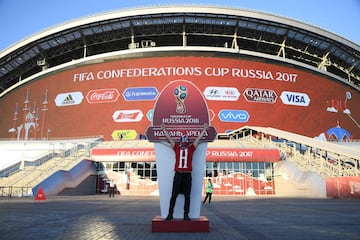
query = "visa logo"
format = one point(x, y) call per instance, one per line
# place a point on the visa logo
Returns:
point(295, 98)
point(233, 116)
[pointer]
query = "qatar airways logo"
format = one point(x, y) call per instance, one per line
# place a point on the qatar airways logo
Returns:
point(260, 95)
point(127, 116)
point(103, 95)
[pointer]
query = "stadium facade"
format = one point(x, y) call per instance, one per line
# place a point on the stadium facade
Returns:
point(101, 76)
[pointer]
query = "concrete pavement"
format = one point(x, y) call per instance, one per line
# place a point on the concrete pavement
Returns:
point(129, 217)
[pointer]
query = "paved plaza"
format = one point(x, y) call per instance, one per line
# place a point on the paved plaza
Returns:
point(129, 217)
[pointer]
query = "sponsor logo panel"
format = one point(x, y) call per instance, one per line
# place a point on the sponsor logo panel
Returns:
point(227, 115)
point(129, 134)
point(68, 99)
point(127, 115)
point(260, 95)
point(106, 95)
point(295, 98)
point(140, 93)
point(211, 114)
point(150, 115)
point(221, 93)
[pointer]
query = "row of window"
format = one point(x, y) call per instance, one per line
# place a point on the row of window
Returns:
point(229, 178)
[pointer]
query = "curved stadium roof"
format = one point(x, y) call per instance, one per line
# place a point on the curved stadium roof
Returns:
point(182, 27)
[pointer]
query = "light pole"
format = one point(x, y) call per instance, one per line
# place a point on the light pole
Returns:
point(47, 134)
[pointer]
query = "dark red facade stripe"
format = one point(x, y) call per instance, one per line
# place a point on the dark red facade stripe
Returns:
point(242, 155)
point(212, 155)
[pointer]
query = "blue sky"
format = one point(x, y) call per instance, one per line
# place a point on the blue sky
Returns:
point(22, 18)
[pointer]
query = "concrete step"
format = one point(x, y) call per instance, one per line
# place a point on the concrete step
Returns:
point(287, 188)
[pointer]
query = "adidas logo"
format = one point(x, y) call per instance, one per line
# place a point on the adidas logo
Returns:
point(68, 100)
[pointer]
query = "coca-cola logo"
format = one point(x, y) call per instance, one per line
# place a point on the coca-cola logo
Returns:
point(103, 95)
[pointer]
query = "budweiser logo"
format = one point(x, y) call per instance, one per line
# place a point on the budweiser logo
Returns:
point(102, 95)
point(127, 115)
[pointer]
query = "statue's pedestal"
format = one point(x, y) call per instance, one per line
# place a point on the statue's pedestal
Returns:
point(179, 225)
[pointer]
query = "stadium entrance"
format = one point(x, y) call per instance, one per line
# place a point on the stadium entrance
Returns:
point(234, 171)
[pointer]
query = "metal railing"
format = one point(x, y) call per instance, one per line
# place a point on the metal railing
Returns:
point(11, 191)
point(21, 181)
point(330, 165)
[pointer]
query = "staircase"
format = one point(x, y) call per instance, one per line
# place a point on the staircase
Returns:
point(287, 188)
point(21, 182)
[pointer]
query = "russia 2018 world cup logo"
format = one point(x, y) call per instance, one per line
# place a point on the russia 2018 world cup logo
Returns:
point(180, 93)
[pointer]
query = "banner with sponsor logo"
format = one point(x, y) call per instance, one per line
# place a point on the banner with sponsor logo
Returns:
point(242, 155)
point(212, 154)
point(123, 154)
point(114, 95)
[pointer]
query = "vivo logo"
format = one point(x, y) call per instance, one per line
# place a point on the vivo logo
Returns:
point(295, 98)
point(233, 116)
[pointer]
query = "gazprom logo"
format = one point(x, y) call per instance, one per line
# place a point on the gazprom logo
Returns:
point(140, 93)
point(233, 115)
